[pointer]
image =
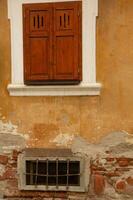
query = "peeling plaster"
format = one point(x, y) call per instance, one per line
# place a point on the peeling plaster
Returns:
point(129, 138)
point(11, 128)
point(110, 193)
point(127, 174)
point(63, 139)
point(116, 138)
point(115, 143)
point(81, 146)
point(10, 138)
point(2, 189)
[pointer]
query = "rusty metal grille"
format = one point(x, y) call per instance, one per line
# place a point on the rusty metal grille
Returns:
point(53, 172)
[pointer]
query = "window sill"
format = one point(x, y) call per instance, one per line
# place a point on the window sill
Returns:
point(91, 89)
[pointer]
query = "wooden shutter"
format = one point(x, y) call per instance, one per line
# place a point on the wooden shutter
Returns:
point(37, 42)
point(52, 43)
point(67, 41)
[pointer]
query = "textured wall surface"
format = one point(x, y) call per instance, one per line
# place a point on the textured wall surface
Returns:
point(58, 121)
point(45, 119)
point(108, 171)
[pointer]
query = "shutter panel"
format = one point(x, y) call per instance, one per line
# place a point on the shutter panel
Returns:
point(52, 43)
point(37, 42)
point(67, 41)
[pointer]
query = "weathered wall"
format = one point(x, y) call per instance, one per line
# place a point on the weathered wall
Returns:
point(59, 121)
point(45, 118)
point(108, 171)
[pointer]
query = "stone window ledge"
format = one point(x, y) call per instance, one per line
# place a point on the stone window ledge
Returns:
point(75, 90)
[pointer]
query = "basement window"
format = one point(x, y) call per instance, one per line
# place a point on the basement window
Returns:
point(51, 170)
point(57, 172)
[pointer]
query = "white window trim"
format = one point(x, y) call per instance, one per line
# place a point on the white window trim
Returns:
point(88, 86)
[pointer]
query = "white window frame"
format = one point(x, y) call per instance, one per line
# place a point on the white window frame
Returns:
point(88, 85)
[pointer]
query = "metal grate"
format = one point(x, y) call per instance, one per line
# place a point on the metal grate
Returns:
point(53, 172)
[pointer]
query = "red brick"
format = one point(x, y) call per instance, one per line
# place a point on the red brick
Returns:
point(123, 169)
point(98, 168)
point(123, 162)
point(121, 186)
point(99, 172)
point(12, 183)
point(3, 159)
point(15, 155)
point(110, 159)
point(113, 174)
point(2, 178)
point(130, 180)
point(10, 174)
point(99, 184)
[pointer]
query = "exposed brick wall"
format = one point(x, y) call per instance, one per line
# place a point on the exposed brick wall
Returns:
point(116, 171)
point(9, 163)
point(106, 173)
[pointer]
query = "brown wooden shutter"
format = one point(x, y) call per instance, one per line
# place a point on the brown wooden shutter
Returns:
point(37, 42)
point(52, 43)
point(67, 41)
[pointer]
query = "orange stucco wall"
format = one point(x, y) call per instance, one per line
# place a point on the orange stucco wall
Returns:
point(43, 118)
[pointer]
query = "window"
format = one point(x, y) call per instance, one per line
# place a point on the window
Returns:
point(53, 172)
point(88, 84)
point(51, 169)
point(52, 43)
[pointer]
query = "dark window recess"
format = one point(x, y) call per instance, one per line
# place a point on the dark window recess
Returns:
point(53, 173)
